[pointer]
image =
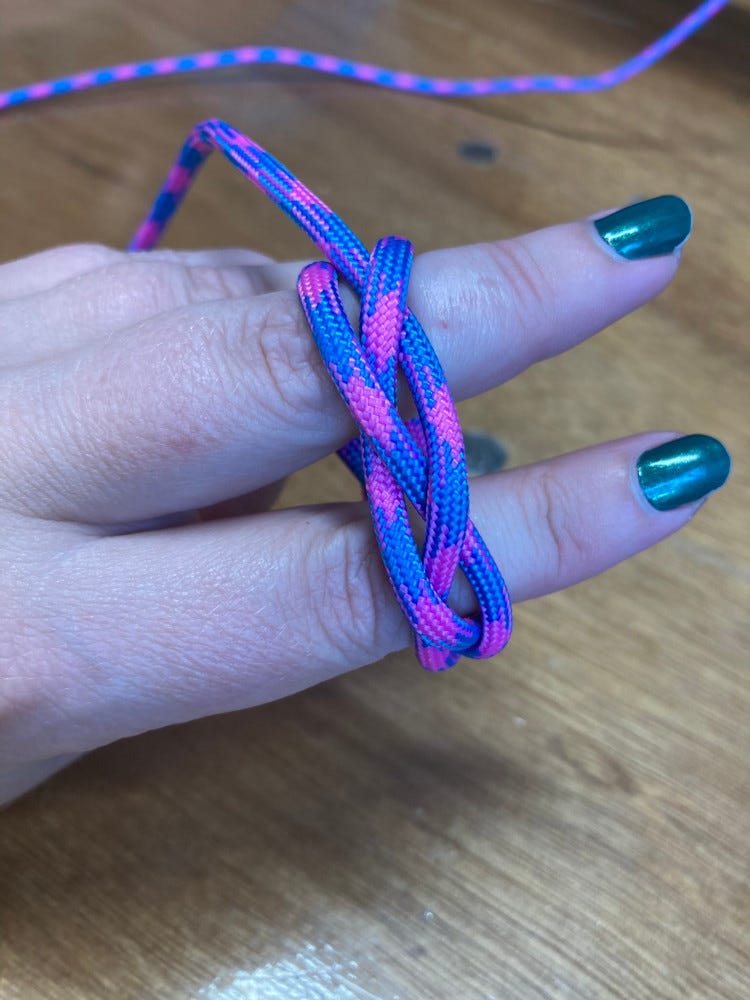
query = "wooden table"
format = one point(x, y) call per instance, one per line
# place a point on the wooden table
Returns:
point(570, 820)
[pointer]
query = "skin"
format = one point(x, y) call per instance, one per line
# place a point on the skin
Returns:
point(148, 406)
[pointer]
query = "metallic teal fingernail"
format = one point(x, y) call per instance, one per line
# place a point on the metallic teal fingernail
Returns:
point(683, 470)
point(648, 229)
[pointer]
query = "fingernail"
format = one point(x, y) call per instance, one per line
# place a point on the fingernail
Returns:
point(683, 470)
point(648, 229)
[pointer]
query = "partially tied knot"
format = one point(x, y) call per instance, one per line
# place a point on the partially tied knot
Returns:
point(422, 459)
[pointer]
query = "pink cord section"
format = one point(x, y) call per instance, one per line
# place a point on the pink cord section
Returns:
point(378, 76)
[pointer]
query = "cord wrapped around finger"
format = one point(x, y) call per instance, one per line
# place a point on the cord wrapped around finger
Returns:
point(423, 460)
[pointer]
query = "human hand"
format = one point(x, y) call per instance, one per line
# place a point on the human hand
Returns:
point(150, 402)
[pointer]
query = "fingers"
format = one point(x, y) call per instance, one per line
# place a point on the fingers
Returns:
point(223, 615)
point(85, 292)
point(216, 400)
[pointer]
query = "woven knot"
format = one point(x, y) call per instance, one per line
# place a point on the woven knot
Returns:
point(422, 459)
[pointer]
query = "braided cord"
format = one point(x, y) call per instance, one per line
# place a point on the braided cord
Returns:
point(378, 76)
point(423, 460)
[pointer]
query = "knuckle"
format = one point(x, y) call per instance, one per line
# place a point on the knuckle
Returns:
point(201, 282)
point(354, 609)
point(151, 287)
point(29, 438)
point(527, 289)
point(554, 520)
point(80, 257)
point(31, 668)
point(137, 286)
point(125, 289)
point(289, 376)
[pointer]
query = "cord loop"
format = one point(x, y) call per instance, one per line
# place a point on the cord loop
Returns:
point(422, 460)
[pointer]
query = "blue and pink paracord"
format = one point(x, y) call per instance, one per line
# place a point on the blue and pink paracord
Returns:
point(421, 460)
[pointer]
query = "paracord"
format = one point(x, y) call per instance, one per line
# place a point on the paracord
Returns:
point(422, 460)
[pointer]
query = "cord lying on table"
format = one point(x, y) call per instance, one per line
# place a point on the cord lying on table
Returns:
point(435, 86)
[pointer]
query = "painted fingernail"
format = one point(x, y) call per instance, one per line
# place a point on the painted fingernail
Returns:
point(683, 470)
point(648, 229)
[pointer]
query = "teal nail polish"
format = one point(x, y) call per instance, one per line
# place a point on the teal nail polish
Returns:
point(649, 229)
point(682, 470)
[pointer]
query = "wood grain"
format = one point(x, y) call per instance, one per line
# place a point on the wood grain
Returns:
point(567, 821)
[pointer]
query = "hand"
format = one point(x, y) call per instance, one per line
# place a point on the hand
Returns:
point(150, 401)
